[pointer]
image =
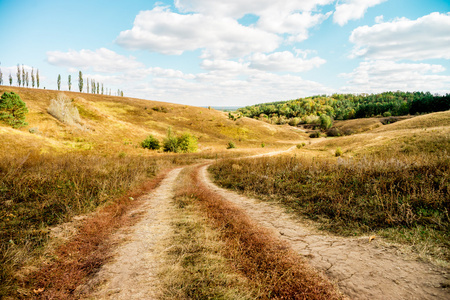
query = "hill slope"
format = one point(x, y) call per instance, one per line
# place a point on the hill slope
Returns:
point(111, 124)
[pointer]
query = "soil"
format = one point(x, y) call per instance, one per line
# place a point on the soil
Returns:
point(362, 268)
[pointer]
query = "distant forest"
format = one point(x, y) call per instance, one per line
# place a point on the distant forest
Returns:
point(348, 106)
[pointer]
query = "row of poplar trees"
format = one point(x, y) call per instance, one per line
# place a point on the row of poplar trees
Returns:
point(23, 77)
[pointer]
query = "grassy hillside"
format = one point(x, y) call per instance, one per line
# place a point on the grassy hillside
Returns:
point(118, 124)
point(393, 181)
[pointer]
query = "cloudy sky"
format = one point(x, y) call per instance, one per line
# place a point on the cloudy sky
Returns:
point(231, 52)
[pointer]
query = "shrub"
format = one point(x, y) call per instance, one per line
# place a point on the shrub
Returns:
point(63, 109)
point(314, 135)
point(338, 152)
point(12, 110)
point(186, 143)
point(299, 146)
point(151, 143)
point(334, 132)
point(231, 145)
point(325, 121)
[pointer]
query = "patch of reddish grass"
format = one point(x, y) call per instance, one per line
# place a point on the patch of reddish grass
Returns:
point(83, 255)
point(266, 261)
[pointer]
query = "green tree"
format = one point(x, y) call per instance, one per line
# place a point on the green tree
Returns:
point(1, 77)
point(37, 78)
point(10, 79)
point(102, 89)
point(33, 81)
point(98, 88)
point(27, 78)
point(23, 76)
point(12, 110)
point(325, 121)
point(80, 81)
point(69, 82)
point(87, 85)
point(19, 76)
point(58, 82)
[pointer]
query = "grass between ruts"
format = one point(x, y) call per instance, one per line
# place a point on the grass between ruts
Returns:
point(405, 198)
point(270, 269)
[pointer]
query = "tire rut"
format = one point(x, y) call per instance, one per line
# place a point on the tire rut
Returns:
point(133, 272)
point(361, 269)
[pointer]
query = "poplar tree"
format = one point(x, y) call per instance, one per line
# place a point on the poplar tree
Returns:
point(10, 79)
point(1, 77)
point(23, 76)
point(87, 85)
point(27, 78)
point(59, 82)
point(19, 76)
point(37, 78)
point(98, 88)
point(32, 77)
point(92, 86)
point(80, 81)
point(102, 89)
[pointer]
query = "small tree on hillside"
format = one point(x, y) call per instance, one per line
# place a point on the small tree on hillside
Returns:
point(10, 79)
point(37, 78)
point(1, 77)
point(80, 81)
point(58, 82)
point(23, 76)
point(12, 110)
point(19, 76)
point(33, 81)
point(98, 88)
point(69, 82)
point(27, 78)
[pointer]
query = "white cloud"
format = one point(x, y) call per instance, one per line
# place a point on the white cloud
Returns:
point(352, 10)
point(381, 75)
point(238, 8)
point(163, 31)
point(284, 61)
point(102, 60)
point(424, 38)
point(379, 19)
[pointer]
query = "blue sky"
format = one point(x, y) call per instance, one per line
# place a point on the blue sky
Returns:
point(231, 53)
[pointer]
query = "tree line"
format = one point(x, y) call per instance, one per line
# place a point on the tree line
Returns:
point(348, 106)
point(25, 78)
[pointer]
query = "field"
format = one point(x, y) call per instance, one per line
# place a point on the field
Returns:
point(59, 181)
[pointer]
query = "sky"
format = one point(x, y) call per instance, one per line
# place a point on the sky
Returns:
point(230, 52)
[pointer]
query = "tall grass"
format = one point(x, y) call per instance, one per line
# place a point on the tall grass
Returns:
point(38, 191)
point(352, 196)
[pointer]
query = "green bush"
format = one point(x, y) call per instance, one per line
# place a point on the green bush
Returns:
point(151, 143)
point(325, 122)
point(231, 145)
point(314, 135)
point(186, 143)
point(338, 152)
point(13, 110)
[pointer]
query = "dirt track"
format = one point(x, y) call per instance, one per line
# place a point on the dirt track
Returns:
point(361, 270)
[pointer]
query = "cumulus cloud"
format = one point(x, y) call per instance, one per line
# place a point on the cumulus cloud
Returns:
point(381, 75)
point(284, 61)
point(352, 10)
point(163, 31)
point(424, 38)
point(100, 60)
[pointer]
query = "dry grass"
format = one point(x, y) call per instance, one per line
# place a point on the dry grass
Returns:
point(354, 196)
point(194, 267)
point(270, 267)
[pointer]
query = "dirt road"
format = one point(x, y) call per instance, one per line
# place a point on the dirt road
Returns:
point(361, 269)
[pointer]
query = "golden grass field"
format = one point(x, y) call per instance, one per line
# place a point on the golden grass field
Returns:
point(92, 164)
